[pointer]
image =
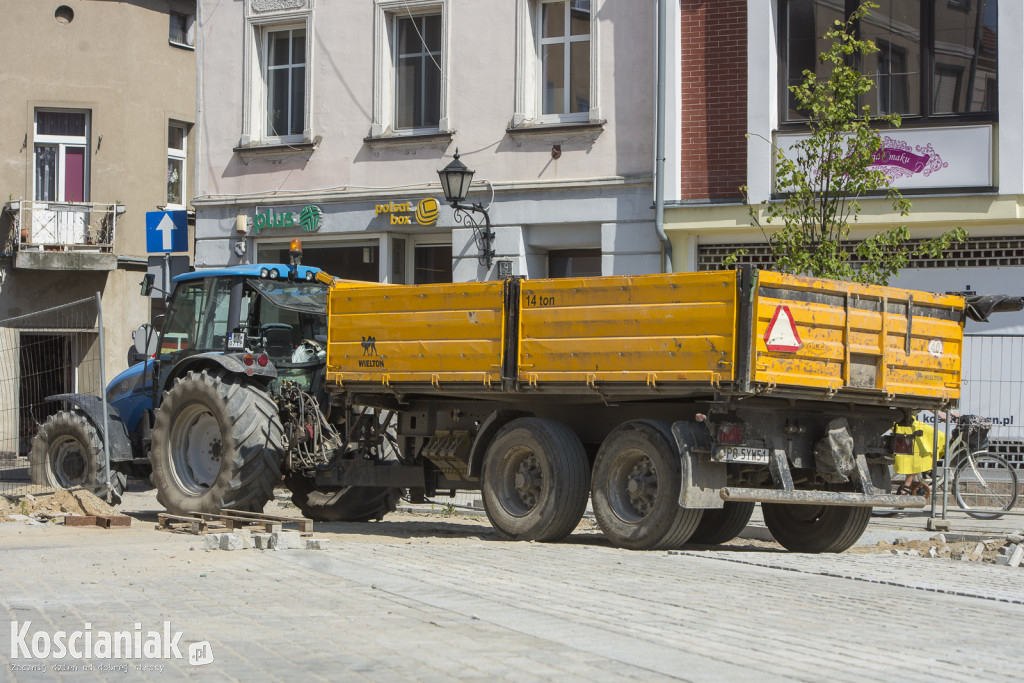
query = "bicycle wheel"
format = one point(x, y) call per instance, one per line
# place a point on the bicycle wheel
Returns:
point(984, 485)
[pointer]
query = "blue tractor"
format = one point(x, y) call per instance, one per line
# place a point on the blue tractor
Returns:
point(227, 404)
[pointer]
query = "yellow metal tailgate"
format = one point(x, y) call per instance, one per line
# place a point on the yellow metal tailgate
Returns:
point(651, 329)
point(418, 333)
point(832, 335)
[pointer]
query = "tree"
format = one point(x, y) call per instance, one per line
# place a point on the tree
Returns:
point(824, 176)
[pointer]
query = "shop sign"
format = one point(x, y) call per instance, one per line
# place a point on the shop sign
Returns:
point(309, 219)
point(410, 213)
point(926, 158)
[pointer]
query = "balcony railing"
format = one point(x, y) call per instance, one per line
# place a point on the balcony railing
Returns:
point(64, 226)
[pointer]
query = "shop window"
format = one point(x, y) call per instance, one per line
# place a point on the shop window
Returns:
point(432, 263)
point(351, 262)
point(574, 262)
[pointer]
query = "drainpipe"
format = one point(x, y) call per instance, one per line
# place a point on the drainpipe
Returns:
point(659, 152)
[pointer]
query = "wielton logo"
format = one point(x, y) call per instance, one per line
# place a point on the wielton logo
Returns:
point(369, 345)
point(310, 218)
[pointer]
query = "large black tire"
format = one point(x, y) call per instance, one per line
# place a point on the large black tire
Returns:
point(721, 525)
point(534, 480)
point(815, 528)
point(635, 488)
point(350, 504)
point(67, 452)
point(217, 443)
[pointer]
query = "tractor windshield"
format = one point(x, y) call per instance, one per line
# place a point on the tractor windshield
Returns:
point(302, 297)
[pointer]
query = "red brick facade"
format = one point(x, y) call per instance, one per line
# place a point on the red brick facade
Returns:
point(714, 98)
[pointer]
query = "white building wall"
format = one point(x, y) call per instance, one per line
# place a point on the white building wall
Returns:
point(588, 176)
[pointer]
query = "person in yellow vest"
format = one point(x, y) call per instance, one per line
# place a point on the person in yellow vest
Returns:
point(921, 460)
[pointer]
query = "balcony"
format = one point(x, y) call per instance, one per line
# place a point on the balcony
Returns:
point(63, 235)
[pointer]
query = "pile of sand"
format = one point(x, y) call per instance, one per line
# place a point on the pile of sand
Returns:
point(50, 503)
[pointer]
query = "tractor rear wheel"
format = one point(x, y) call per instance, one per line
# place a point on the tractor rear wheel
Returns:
point(217, 443)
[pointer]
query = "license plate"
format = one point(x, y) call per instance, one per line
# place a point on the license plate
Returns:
point(745, 454)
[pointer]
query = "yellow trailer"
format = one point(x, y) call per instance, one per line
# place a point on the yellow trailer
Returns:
point(677, 401)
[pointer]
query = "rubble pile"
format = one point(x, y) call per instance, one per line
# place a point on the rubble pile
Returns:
point(50, 505)
point(1008, 551)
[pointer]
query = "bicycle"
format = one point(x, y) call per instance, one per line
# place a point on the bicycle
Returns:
point(984, 484)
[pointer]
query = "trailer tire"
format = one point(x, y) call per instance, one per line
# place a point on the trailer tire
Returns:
point(217, 444)
point(815, 528)
point(534, 480)
point(722, 525)
point(350, 504)
point(636, 484)
point(67, 452)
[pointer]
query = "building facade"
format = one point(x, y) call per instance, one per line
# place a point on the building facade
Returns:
point(954, 71)
point(97, 130)
point(329, 121)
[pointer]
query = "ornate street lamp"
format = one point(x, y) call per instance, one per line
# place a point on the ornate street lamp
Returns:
point(455, 181)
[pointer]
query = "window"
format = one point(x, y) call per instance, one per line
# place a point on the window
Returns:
point(61, 156)
point(564, 42)
point(557, 49)
point(182, 29)
point(177, 142)
point(417, 55)
point(410, 68)
point(935, 59)
point(285, 79)
point(277, 90)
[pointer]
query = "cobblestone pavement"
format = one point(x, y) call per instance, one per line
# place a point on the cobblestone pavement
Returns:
point(432, 600)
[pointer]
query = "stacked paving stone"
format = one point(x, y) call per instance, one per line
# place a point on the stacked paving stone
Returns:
point(243, 539)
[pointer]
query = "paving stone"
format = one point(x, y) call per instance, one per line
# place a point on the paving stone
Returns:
point(261, 541)
point(285, 540)
point(317, 544)
point(211, 541)
point(1016, 556)
point(231, 542)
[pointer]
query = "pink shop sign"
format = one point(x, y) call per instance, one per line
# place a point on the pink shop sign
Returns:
point(901, 160)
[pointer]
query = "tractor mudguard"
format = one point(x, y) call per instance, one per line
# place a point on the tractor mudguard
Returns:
point(92, 407)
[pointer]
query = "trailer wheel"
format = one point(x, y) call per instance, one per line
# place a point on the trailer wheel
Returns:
point(67, 452)
point(350, 504)
point(217, 443)
point(815, 528)
point(722, 525)
point(534, 480)
point(636, 483)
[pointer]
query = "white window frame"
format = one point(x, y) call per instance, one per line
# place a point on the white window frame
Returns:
point(254, 114)
point(182, 156)
point(190, 30)
point(384, 93)
point(529, 93)
point(62, 142)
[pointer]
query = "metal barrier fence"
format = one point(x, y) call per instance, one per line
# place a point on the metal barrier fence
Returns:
point(55, 351)
point(992, 386)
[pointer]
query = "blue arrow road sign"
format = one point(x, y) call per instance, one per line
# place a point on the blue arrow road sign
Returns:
point(166, 231)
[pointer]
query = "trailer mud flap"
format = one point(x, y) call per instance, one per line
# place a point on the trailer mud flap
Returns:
point(702, 480)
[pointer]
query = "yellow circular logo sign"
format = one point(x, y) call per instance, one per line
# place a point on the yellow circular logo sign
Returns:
point(426, 211)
